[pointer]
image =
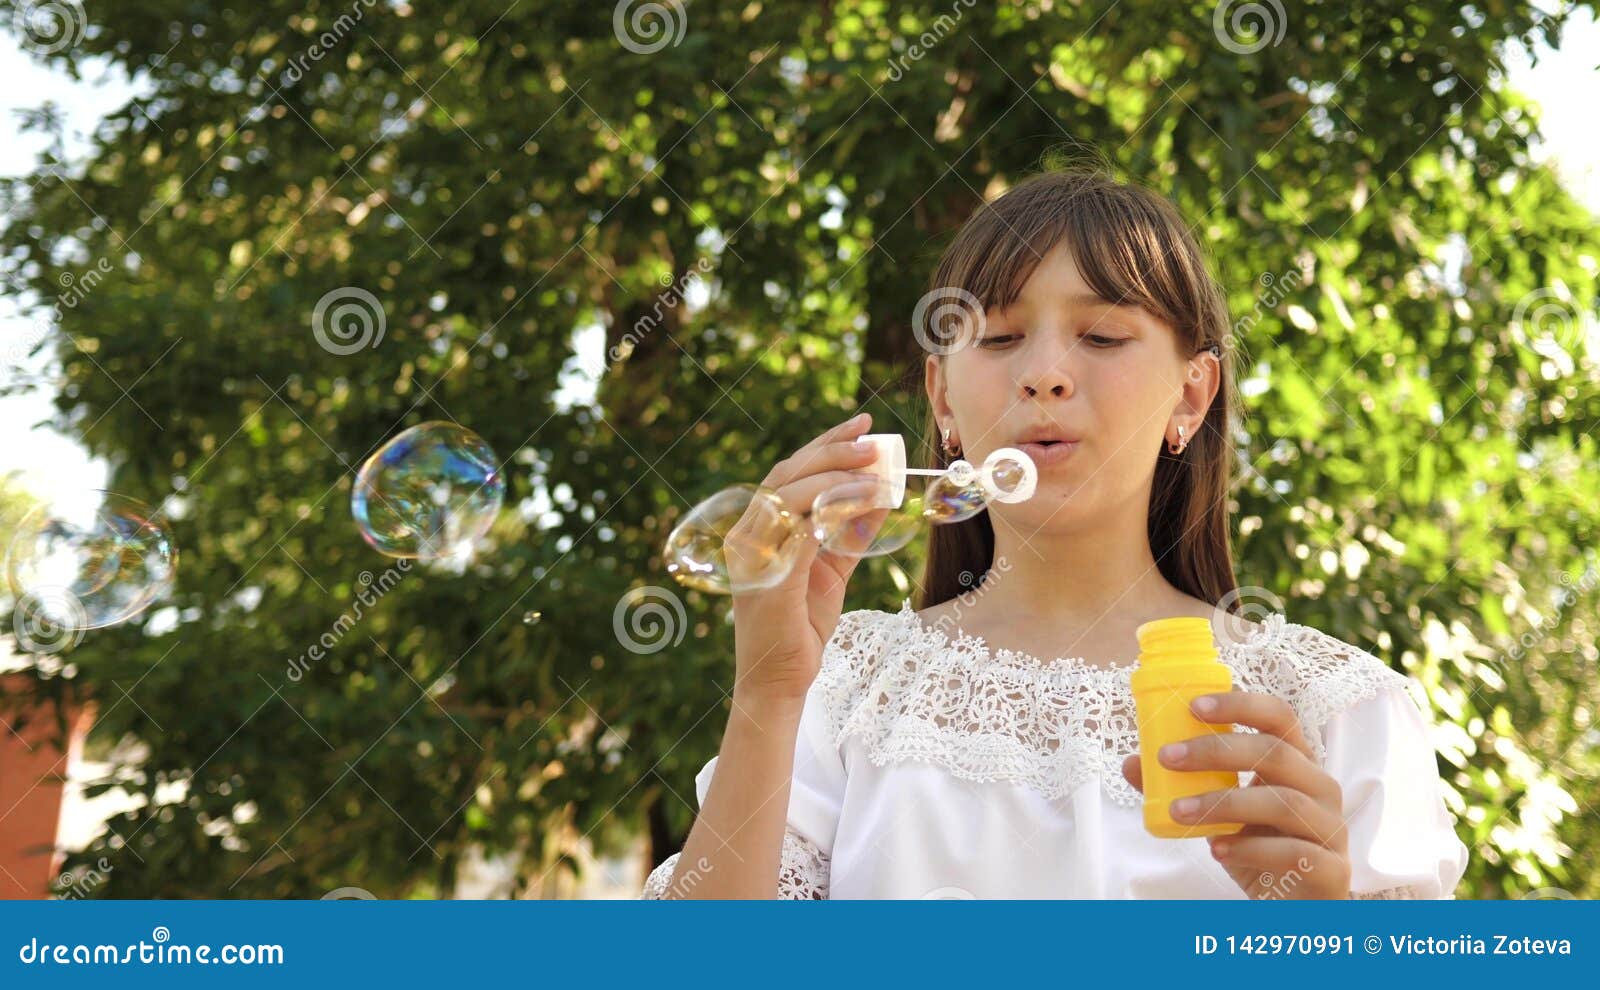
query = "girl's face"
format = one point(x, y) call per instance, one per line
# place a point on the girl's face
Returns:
point(1061, 363)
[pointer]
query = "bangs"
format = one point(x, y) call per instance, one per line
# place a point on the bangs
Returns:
point(1131, 247)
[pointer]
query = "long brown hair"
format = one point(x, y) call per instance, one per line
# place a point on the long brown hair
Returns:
point(1131, 245)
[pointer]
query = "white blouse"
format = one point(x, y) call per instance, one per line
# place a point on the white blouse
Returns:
point(933, 766)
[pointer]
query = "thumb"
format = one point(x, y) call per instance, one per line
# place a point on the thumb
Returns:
point(1133, 772)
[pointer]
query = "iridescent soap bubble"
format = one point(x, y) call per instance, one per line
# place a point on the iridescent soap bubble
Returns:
point(743, 538)
point(431, 492)
point(858, 519)
point(948, 501)
point(86, 563)
point(1008, 475)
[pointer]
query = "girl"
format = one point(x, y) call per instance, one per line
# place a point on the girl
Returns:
point(983, 745)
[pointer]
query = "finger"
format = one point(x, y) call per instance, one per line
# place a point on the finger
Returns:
point(750, 544)
point(852, 455)
point(836, 454)
point(1282, 857)
point(1272, 760)
point(1289, 811)
point(1133, 772)
point(847, 517)
point(1264, 712)
point(847, 430)
point(851, 492)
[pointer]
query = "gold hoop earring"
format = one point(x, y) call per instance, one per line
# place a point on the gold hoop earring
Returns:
point(1178, 448)
point(944, 444)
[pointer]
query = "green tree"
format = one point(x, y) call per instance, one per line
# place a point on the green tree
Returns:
point(745, 216)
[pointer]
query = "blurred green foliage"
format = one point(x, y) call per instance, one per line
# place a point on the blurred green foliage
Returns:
point(1418, 471)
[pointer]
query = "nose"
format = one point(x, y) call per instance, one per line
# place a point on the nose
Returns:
point(1047, 376)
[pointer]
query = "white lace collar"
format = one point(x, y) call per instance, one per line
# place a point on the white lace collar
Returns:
point(913, 692)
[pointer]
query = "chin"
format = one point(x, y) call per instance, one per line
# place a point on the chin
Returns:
point(1052, 507)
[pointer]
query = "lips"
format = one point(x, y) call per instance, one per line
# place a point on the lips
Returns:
point(1047, 435)
point(1047, 453)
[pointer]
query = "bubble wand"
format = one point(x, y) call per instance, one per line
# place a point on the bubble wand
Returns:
point(745, 537)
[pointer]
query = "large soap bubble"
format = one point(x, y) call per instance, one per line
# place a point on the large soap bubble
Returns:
point(86, 563)
point(744, 538)
point(430, 493)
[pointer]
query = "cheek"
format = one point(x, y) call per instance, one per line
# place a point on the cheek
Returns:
point(980, 394)
point(1129, 405)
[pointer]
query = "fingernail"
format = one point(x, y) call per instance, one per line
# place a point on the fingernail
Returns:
point(1173, 752)
point(1205, 705)
point(858, 418)
point(1184, 807)
point(1219, 849)
point(864, 445)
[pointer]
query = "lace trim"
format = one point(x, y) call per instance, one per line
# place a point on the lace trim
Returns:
point(803, 871)
point(913, 692)
point(1405, 893)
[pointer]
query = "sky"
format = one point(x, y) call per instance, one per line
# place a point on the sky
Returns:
point(53, 465)
point(50, 463)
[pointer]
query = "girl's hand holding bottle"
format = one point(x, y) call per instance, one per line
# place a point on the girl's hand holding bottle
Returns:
point(1293, 843)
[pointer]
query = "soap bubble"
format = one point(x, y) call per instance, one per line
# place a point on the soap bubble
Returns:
point(429, 493)
point(743, 538)
point(948, 501)
point(86, 564)
point(747, 529)
point(853, 519)
point(1009, 475)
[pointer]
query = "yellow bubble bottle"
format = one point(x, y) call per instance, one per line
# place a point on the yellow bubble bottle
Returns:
point(1177, 663)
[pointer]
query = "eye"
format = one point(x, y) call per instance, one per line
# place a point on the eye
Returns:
point(1105, 342)
point(998, 340)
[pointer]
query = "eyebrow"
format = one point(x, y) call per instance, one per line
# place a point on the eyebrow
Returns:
point(1094, 299)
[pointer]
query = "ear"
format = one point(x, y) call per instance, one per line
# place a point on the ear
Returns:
point(937, 387)
point(1202, 376)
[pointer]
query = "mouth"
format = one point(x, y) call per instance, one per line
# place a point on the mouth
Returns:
point(1047, 437)
point(1048, 449)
